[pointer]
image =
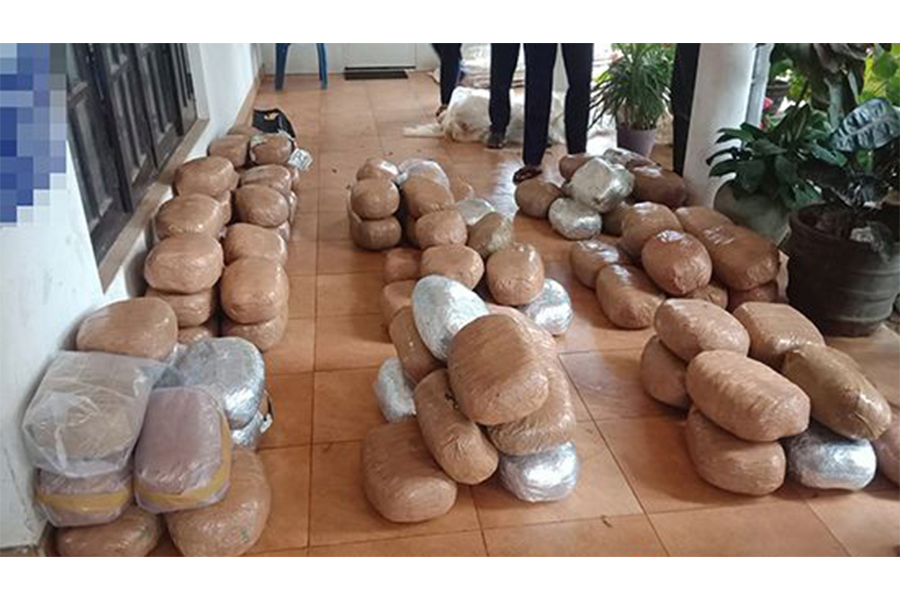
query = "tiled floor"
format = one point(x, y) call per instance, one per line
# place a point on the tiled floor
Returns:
point(638, 494)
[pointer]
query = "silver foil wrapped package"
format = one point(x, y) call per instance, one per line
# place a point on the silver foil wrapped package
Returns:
point(441, 307)
point(820, 458)
point(248, 435)
point(426, 168)
point(552, 310)
point(232, 371)
point(600, 185)
point(542, 477)
point(574, 220)
point(394, 391)
point(473, 209)
point(301, 159)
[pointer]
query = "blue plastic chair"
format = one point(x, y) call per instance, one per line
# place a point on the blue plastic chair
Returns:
point(281, 54)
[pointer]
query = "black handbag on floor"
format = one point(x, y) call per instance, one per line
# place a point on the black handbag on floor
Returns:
point(272, 120)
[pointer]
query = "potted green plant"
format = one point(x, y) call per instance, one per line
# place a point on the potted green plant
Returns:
point(635, 92)
point(844, 267)
point(766, 166)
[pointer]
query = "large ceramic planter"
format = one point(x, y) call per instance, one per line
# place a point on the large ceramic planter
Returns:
point(759, 213)
point(844, 286)
point(636, 140)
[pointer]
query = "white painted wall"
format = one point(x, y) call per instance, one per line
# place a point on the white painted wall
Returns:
point(302, 58)
point(49, 280)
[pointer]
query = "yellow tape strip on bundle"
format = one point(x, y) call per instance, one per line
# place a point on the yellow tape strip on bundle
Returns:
point(189, 499)
point(85, 503)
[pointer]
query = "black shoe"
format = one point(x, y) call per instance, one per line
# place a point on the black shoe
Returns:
point(496, 140)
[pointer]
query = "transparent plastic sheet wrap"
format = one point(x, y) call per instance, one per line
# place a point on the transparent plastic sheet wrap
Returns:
point(80, 501)
point(441, 307)
point(271, 148)
point(232, 371)
point(552, 309)
point(492, 233)
point(459, 263)
point(775, 329)
point(191, 310)
point(232, 526)
point(191, 213)
point(473, 210)
point(183, 459)
point(842, 398)
point(394, 391)
point(427, 169)
point(248, 435)
point(626, 158)
point(676, 262)
point(377, 168)
point(261, 205)
point(819, 458)
point(688, 327)
point(139, 327)
point(589, 256)
point(542, 477)
point(135, 533)
point(184, 264)
point(600, 185)
point(573, 220)
point(86, 415)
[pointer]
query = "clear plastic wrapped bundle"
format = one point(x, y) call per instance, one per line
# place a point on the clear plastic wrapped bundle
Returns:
point(820, 458)
point(86, 415)
point(574, 220)
point(229, 369)
point(248, 435)
point(394, 391)
point(135, 533)
point(473, 209)
point(542, 477)
point(80, 501)
point(600, 185)
point(552, 310)
point(425, 168)
point(441, 307)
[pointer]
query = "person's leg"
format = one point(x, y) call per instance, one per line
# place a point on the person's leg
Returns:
point(684, 77)
point(504, 58)
point(579, 62)
point(539, 61)
point(450, 55)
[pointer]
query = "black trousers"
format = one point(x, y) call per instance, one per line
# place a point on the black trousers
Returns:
point(451, 56)
point(684, 78)
point(539, 62)
point(504, 58)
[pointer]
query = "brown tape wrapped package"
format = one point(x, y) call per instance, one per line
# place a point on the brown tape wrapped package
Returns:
point(842, 398)
point(211, 175)
point(676, 262)
point(408, 223)
point(534, 197)
point(742, 259)
point(271, 149)
point(184, 264)
point(232, 147)
point(140, 327)
point(441, 228)
point(767, 292)
point(243, 240)
point(538, 337)
point(400, 478)
point(232, 526)
point(515, 275)
point(416, 359)
point(775, 329)
point(422, 195)
point(192, 213)
point(276, 177)
point(689, 327)
point(714, 292)
point(80, 501)
point(454, 262)
point(493, 232)
point(662, 375)
point(254, 290)
point(496, 373)
point(224, 199)
point(887, 449)
point(549, 426)
point(191, 310)
point(374, 198)
point(589, 256)
point(135, 533)
point(653, 184)
point(192, 335)
point(627, 296)
point(261, 205)
point(402, 263)
point(614, 220)
point(455, 442)
point(746, 397)
point(697, 219)
point(264, 335)
point(570, 163)
point(377, 168)
point(645, 220)
point(394, 297)
point(183, 458)
point(733, 464)
point(379, 234)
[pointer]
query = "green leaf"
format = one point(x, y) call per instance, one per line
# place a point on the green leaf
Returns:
point(730, 134)
point(872, 125)
point(827, 156)
point(786, 170)
point(726, 167)
point(749, 174)
point(764, 147)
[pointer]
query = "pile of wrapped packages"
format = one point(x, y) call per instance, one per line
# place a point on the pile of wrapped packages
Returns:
point(767, 398)
point(223, 239)
point(476, 387)
point(133, 433)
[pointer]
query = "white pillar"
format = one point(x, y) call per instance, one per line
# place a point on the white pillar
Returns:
point(721, 95)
